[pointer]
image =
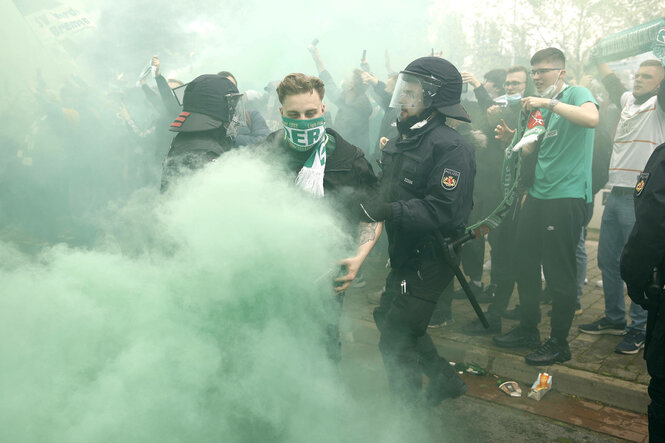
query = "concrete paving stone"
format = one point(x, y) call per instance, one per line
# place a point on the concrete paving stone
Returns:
point(592, 367)
point(644, 378)
point(595, 406)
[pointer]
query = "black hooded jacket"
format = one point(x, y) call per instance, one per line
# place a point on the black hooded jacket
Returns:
point(348, 178)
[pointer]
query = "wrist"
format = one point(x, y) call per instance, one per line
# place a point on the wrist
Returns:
point(553, 103)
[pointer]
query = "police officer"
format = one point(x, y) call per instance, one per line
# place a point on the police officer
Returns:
point(206, 127)
point(426, 187)
point(644, 252)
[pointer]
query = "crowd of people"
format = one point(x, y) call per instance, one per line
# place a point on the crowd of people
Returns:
point(424, 161)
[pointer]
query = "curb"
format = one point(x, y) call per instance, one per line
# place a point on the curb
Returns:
point(587, 385)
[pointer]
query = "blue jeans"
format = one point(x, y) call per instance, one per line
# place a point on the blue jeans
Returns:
point(618, 220)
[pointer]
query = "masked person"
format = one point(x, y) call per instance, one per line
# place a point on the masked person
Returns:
point(327, 166)
point(643, 253)
point(206, 128)
point(551, 219)
point(426, 188)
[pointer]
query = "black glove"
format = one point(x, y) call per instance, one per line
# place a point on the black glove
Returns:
point(375, 211)
point(637, 295)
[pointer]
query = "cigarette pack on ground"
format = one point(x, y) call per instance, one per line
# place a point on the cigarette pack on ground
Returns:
point(541, 386)
point(511, 388)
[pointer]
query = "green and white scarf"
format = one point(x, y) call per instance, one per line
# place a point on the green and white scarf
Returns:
point(303, 135)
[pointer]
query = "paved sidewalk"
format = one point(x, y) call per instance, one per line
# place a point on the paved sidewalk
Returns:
point(595, 371)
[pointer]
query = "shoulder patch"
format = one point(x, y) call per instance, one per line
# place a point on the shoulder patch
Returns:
point(449, 179)
point(641, 183)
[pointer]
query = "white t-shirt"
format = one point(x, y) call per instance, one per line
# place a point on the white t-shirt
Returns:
point(641, 129)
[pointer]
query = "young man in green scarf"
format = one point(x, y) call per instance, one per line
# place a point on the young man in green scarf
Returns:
point(325, 165)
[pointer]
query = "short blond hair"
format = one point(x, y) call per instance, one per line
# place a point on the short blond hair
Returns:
point(298, 83)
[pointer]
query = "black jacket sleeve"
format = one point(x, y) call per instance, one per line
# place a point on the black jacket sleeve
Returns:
point(483, 97)
point(382, 97)
point(441, 208)
point(169, 100)
point(645, 248)
point(331, 88)
point(614, 88)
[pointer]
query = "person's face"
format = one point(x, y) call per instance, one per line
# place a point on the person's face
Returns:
point(647, 80)
point(411, 100)
point(515, 83)
point(492, 89)
point(545, 74)
point(305, 106)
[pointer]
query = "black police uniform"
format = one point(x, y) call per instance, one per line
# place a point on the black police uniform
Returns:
point(644, 251)
point(427, 176)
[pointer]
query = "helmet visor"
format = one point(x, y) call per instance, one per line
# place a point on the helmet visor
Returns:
point(237, 113)
point(414, 91)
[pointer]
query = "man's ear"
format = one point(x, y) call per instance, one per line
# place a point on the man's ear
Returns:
point(281, 110)
point(323, 108)
point(562, 74)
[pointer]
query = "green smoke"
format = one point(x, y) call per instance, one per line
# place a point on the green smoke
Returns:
point(211, 330)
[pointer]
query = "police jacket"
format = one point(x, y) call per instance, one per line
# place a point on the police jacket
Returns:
point(192, 150)
point(645, 248)
point(427, 175)
point(348, 177)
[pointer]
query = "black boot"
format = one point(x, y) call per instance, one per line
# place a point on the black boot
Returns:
point(518, 338)
point(446, 384)
point(475, 327)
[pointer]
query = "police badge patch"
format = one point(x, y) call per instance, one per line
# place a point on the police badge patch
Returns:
point(449, 179)
point(641, 183)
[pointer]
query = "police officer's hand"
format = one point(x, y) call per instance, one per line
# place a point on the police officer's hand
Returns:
point(375, 211)
point(637, 295)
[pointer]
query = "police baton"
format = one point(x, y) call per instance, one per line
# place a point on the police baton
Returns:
point(450, 256)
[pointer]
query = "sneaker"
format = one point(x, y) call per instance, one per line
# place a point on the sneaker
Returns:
point(631, 343)
point(512, 314)
point(518, 338)
point(604, 326)
point(488, 294)
point(440, 323)
point(476, 327)
point(552, 351)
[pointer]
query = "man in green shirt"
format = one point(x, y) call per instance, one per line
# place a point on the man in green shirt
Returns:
point(552, 216)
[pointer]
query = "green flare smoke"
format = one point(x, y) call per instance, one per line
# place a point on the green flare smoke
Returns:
point(210, 331)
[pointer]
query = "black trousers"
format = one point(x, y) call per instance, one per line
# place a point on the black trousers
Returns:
point(654, 354)
point(402, 317)
point(504, 273)
point(548, 232)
